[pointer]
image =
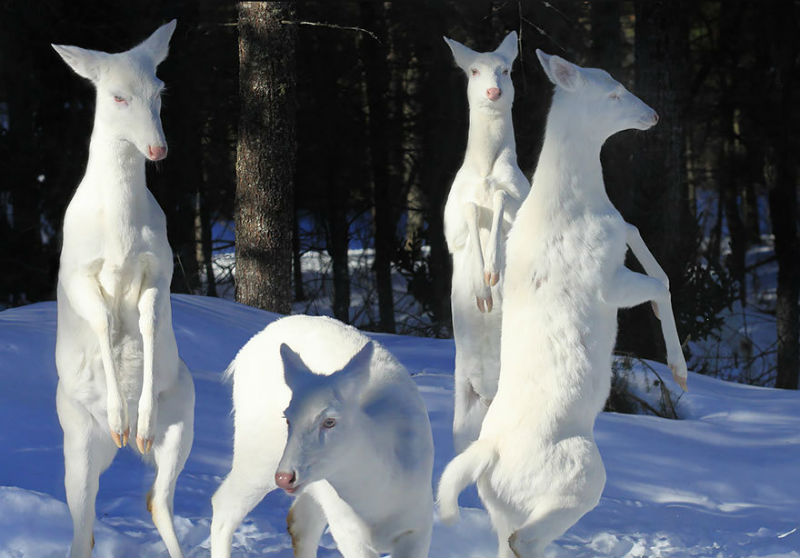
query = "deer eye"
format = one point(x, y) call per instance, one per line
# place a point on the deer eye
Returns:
point(120, 100)
point(329, 422)
point(505, 72)
point(614, 96)
point(474, 71)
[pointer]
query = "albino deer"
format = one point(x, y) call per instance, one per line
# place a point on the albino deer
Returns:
point(358, 445)
point(536, 464)
point(483, 201)
point(116, 355)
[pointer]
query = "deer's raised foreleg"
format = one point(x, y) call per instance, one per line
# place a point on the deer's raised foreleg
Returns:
point(86, 297)
point(147, 305)
point(494, 249)
point(482, 292)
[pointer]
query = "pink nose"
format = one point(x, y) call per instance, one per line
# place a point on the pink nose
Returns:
point(493, 93)
point(156, 153)
point(285, 480)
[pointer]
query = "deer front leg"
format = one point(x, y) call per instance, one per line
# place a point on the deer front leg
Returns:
point(494, 250)
point(663, 311)
point(351, 533)
point(86, 298)
point(629, 289)
point(482, 292)
point(147, 305)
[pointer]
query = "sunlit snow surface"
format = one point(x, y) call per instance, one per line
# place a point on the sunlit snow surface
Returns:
point(721, 482)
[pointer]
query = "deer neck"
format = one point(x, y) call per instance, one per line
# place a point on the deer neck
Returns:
point(115, 168)
point(569, 164)
point(491, 133)
point(115, 174)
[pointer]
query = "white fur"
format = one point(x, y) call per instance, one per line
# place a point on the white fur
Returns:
point(483, 202)
point(369, 477)
point(116, 354)
point(537, 467)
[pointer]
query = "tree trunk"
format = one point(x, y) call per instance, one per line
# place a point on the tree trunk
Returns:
point(297, 268)
point(659, 198)
point(783, 194)
point(378, 82)
point(265, 155)
point(728, 156)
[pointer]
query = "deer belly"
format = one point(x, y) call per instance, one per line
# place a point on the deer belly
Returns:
point(128, 357)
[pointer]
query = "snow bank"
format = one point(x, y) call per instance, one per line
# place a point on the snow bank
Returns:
point(721, 482)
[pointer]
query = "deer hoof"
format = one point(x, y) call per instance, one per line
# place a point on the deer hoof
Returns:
point(680, 380)
point(144, 445)
point(495, 278)
point(479, 302)
point(121, 439)
point(489, 304)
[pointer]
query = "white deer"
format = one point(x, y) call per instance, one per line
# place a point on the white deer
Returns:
point(483, 202)
point(536, 464)
point(116, 355)
point(358, 446)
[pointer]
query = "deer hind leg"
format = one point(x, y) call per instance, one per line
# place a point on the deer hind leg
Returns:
point(468, 412)
point(87, 453)
point(501, 522)
point(305, 522)
point(173, 442)
point(545, 525)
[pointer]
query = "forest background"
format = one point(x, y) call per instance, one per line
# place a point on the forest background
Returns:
point(371, 126)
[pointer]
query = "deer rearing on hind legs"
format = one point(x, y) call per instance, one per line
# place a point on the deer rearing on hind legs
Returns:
point(483, 201)
point(536, 464)
point(117, 359)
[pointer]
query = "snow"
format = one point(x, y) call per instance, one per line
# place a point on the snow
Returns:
point(719, 482)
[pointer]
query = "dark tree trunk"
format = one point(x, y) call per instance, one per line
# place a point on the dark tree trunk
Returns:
point(660, 196)
point(783, 192)
point(727, 155)
point(606, 36)
point(297, 268)
point(338, 244)
point(206, 242)
point(378, 84)
point(443, 140)
point(265, 155)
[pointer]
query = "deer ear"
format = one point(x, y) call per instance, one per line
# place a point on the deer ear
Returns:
point(463, 55)
point(508, 49)
point(295, 372)
point(562, 73)
point(351, 379)
point(86, 63)
point(156, 46)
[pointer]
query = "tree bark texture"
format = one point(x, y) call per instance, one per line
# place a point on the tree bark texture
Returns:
point(265, 157)
point(659, 196)
point(783, 193)
point(378, 85)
